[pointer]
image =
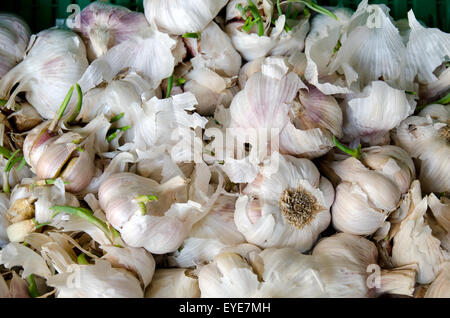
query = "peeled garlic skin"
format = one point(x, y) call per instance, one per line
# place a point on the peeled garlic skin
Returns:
point(173, 283)
point(182, 16)
point(14, 37)
point(103, 25)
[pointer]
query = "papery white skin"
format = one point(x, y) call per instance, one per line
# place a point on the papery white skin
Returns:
point(209, 88)
point(4, 204)
point(103, 25)
point(345, 258)
point(265, 104)
point(55, 61)
point(437, 112)
point(375, 111)
point(15, 254)
point(262, 222)
point(440, 287)
point(133, 259)
point(426, 50)
point(438, 88)
point(132, 54)
point(164, 226)
point(273, 42)
point(319, 49)
point(440, 209)
point(425, 139)
point(165, 121)
point(95, 281)
point(179, 17)
point(14, 37)
point(117, 97)
point(414, 243)
point(369, 32)
point(215, 51)
point(271, 273)
point(367, 194)
point(210, 235)
point(173, 283)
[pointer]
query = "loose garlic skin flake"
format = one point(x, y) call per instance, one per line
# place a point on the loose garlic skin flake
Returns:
point(289, 208)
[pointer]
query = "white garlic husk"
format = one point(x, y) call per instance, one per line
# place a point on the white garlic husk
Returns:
point(437, 88)
point(103, 25)
point(210, 89)
point(173, 283)
point(434, 42)
point(440, 287)
point(286, 206)
point(437, 112)
point(160, 226)
point(214, 50)
point(95, 281)
point(133, 54)
point(25, 117)
point(55, 61)
point(372, 48)
point(273, 272)
point(179, 17)
point(353, 259)
point(268, 103)
point(14, 37)
point(370, 189)
point(320, 48)
point(133, 259)
point(371, 114)
point(440, 209)
point(413, 242)
point(210, 235)
point(427, 140)
point(4, 204)
point(274, 40)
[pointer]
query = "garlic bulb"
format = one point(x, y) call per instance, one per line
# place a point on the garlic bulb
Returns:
point(370, 189)
point(173, 283)
point(440, 287)
point(434, 42)
point(280, 39)
point(372, 113)
point(372, 48)
point(55, 61)
point(103, 25)
point(180, 16)
point(14, 37)
point(214, 50)
point(133, 54)
point(95, 281)
point(353, 259)
point(270, 273)
point(437, 88)
point(320, 46)
point(427, 140)
point(414, 243)
point(267, 103)
point(287, 208)
point(158, 226)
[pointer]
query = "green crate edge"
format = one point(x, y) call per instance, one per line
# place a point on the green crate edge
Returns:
point(42, 14)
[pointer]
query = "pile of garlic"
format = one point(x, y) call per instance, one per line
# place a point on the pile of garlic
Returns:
point(215, 148)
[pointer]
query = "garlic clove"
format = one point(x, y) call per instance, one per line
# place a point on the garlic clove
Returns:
point(53, 159)
point(173, 283)
point(26, 117)
point(414, 243)
point(353, 213)
point(440, 287)
point(18, 231)
point(21, 209)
